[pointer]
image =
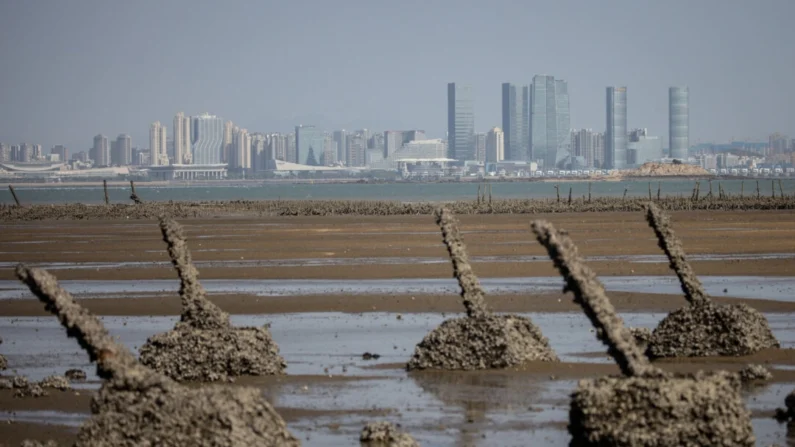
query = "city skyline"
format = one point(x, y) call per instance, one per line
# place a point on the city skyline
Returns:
point(711, 45)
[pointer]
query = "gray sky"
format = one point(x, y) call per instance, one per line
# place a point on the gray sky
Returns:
point(75, 68)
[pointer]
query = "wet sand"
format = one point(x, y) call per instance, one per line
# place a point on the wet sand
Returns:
point(377, 263)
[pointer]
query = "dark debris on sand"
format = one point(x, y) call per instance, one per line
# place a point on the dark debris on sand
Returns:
point(136, 406)
point(204, 346)
point(481, 340)
point(384, 434)
point(646, 406)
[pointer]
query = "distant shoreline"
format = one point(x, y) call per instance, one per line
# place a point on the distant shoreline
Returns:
point(255, 182)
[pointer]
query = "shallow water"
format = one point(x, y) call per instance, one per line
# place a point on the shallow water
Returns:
point(508, 409)
point(780, 288)
point(385, 260)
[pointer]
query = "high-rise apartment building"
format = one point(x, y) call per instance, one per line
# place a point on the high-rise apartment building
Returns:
point(460, 122)
point(101, 151)
point(777, 144)
point(584, 144)
point(5, 153)
point(182, 154)
point(309, 144)
point(480, 147)
point(158, 144)
point(340, 145)
point(227, 145)
point(679, 122)
point(38, 153)
point(495, 145)
point(550, 137)
point(61, 151)
point(121, 153)
point(395, 139)
point(207, 139)
point(616, 129)
point(356, 150)
point(516, 121)
point(240, 156)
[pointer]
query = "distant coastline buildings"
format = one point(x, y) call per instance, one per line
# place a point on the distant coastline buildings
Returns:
point(550, 129)
point(460, 122)
point(616, 128)
point(679, 122)
point(158, 145)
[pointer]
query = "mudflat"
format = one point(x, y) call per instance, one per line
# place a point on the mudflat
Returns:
point(366, 267)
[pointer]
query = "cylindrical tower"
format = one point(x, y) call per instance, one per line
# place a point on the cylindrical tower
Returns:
point(679, 122)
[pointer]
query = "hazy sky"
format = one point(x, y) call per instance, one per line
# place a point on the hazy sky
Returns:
point(75, 68)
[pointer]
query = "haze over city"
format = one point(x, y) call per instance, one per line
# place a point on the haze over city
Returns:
point(75, 69)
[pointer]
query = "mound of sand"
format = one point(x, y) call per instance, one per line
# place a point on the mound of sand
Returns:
point(701, 328)
point(705, 409)
point(189, 354)
point(384, 434)
point(489, 341)
point(137, 406)
point(56, 382)
point(480, 340)
point(707, 329)
point(204, 346)
point(646, 406)
point(666, 170)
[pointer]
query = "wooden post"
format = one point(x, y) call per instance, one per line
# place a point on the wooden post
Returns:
point(659, 186)
point(134, 197)
point(105, 187)
point(14, 194)
point(757, 190)
point(625, 193)
point(570, 195)
point(698, 190)
point(649, 191)
point(489, 193)
point(742, 188)
point(557, 191)
point(478, 193)
point(780, 189)
point(772, 188)
point(589, 192)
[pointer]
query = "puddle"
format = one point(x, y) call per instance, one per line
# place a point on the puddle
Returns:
point(780, 288)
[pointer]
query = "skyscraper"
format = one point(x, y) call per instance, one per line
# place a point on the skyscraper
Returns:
point(480, 147)
point(158, 146)
point(678, 122)
point(240, 156)
point(122, 151)
point(207, 139)
point(182, 153)
point(460, 122)
point(355, 150)
point(550, 137)
point(516, 121)
point(309, 144)
point(616, 131)
point(339, 142)
point(495, 145)
point(101, 151)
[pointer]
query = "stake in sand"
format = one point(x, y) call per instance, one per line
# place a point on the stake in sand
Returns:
point(481, 340)
point(137, 406)
point(204, 346)
point(702, 328)
point(645, 406)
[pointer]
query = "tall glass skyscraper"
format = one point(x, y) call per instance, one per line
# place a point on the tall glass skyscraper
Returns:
point(460, 122)
point(550, 136)
point(207, 139)
point(516, 121)
point(616, 131)
point(307, 137)
point(679, 122)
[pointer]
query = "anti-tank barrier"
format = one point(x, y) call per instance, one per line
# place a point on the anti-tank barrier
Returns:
point(242, 208)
